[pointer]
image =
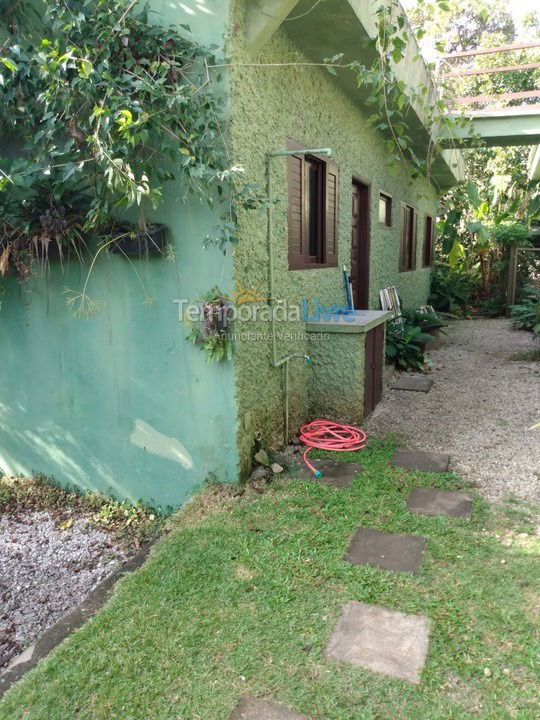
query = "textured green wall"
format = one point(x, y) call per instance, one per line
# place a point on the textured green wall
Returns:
point(338, 365)
point(268, 105)
point(120, 401)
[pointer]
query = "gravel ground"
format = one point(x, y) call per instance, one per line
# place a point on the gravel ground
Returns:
point(45, 572)
point(479, 409)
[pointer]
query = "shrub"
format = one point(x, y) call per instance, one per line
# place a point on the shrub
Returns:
point(451, 290)
point(511, 233)
point(423, 320)
point(526, 314)
point(405, 346)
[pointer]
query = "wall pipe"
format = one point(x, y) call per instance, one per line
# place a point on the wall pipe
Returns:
point(278, 362)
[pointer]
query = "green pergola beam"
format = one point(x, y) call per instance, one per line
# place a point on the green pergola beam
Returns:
point(508, 126)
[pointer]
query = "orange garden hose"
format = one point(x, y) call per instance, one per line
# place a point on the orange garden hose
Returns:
point(327, 435)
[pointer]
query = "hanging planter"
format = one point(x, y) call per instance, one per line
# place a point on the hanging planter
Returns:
point(210, 329)
point(133, 241)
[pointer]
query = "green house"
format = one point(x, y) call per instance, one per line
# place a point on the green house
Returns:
point(120, 401)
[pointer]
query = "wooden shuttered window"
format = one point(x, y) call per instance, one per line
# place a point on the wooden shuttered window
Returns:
point(409, 229)
point(313, 210)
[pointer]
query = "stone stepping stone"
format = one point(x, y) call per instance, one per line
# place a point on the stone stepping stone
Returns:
point(386, 550)
point(415, 384)
point(252, 708)
point(379, 639)
point(335, 473)
point(421, 460)
point(440, 502)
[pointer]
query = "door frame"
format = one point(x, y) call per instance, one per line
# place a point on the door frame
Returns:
point(361, 182)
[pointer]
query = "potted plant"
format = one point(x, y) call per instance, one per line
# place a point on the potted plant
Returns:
point(137, 241)
point(209, 330)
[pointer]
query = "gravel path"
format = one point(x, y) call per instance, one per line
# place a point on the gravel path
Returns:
point(45, 572)
point(479, 409)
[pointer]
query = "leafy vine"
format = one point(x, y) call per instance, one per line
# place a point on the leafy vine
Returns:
point(100, 109)
point(393, 100)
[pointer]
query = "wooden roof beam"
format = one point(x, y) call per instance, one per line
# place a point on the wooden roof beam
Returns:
point(475, 99)
point(489, 71)
point(490, 51)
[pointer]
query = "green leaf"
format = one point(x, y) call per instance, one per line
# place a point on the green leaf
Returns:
point(456, 254)
point(68, 171)
point(9, 64)
point(85, 68)
point(472, 194)
point(397, 55)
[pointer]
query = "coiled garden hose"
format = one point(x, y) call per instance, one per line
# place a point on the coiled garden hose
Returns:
point(327, 435)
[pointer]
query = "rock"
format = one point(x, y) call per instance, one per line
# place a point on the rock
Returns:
point(487, 672)
point(276, 468)
point(289, 456)
point(261, 458)
point(259, 473)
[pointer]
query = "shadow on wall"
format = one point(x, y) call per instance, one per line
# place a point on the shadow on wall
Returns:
point(57, 448)
point(205, 18)
point(193, 8)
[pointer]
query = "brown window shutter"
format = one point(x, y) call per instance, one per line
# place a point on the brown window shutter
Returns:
point(403, 238)
point(331, 240)
point(295, 173)
point(414, 214)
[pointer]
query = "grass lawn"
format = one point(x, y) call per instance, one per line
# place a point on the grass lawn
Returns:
point(242, 595)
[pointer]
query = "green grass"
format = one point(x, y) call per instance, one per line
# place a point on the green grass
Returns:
point(243, 593)
point(527, 355)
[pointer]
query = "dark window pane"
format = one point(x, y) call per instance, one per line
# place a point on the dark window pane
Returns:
point(410, 231)
point(428, 241)
point(408, 239)
point(313, 209)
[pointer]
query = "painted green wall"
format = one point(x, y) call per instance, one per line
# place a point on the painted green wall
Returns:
point(268, 105)
point(119, 401)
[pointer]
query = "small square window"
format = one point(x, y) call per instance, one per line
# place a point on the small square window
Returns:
point(385, 210)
